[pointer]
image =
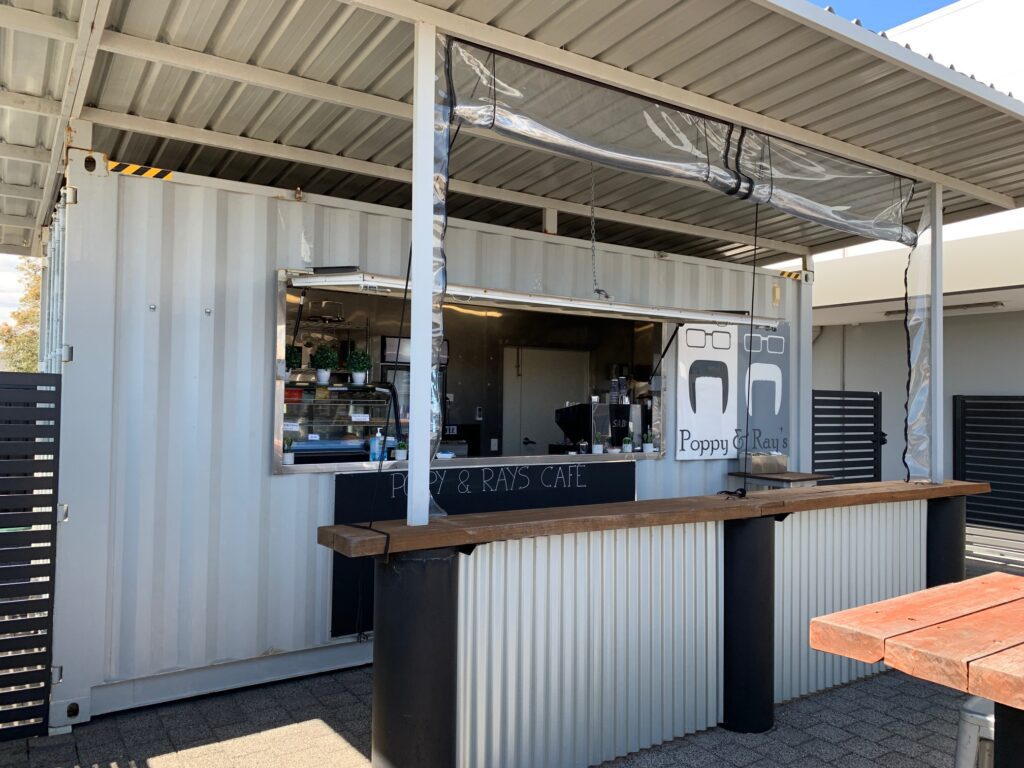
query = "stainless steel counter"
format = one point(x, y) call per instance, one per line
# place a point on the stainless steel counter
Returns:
point(479, 461)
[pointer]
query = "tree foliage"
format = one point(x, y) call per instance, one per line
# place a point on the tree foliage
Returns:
point(20, 337)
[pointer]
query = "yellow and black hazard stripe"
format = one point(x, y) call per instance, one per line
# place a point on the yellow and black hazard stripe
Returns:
point(791, 275)
point(130, 169)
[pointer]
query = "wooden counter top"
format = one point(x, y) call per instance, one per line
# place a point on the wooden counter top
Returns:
point(482, 528)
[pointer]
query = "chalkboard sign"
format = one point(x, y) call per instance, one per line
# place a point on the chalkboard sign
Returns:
point(360, 497)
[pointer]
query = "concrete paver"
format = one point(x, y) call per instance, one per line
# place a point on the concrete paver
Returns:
point(324, 722)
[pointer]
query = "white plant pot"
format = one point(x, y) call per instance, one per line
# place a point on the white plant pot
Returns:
point(598, 449)
point(323, 376)
point(627, 447)
point(358, 377)
point(287, 459)
point(401, 454)
point(648, 447)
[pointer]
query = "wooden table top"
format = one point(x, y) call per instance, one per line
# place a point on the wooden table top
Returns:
point(462, 530)
point(968, 636)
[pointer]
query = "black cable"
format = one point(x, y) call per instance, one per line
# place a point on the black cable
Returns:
point(664, 351)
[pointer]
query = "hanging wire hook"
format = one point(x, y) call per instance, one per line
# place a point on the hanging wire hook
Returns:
point(598, 290)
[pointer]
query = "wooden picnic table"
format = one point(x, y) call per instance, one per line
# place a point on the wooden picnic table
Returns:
point(968, 636)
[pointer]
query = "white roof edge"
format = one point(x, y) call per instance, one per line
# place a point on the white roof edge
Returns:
point(838, 28)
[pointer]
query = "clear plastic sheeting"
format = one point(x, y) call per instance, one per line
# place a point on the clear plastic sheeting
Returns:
point(918, 290)
point(442, 137)
point(588, 121)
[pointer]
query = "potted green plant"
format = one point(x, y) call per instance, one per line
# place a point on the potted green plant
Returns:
point(325, 360)
point(598, 443)
point(288, 457)
point(359, 364)
point(401, 451)
point(627, 444)
point(648, 444)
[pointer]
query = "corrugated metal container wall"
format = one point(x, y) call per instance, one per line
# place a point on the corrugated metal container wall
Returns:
point(576, 649)
point(211, 558)
point(828, 561)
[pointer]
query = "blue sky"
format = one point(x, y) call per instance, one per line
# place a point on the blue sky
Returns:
point(880, 15)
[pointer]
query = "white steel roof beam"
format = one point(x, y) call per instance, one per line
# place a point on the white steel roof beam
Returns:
point(573, 63)
point(24, 102)
point(39, 156)
point(20, 222)
point(20, 192)
point(234, 143)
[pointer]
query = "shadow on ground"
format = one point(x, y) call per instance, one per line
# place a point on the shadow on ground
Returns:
point(887, 721)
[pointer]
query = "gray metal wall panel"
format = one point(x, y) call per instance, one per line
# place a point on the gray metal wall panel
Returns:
point(828, 561)
point(576, 649)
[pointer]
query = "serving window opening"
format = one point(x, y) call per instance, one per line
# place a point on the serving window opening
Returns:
point(514, 381)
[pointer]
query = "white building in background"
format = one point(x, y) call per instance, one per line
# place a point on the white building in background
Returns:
point(858, 292)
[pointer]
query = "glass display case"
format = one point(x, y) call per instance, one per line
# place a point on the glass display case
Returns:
point(336, 423)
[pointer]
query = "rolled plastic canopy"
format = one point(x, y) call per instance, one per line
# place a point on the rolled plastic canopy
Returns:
point(584, 120)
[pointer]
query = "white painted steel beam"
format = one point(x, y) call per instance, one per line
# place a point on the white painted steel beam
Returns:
point(39, 156)
point(24, 102)
point(21, 192)
point(376, 170)
point(20, 20)
point(421, 275)
point(17, 250)
point(573, 63)
point(90, 25)
point(22, 222)
point(936, 440)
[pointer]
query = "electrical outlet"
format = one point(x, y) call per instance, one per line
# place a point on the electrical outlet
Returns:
point(494, 444)
point(479, 413)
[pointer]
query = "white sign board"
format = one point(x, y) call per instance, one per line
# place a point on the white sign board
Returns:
point(706, 399)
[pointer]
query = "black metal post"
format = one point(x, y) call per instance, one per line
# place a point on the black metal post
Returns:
point(947, 540)
point(1009, 746)
point(749, 662)
point(414, 659)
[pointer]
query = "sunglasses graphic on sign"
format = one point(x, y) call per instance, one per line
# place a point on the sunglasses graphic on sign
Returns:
point(698, 338)
point(770, 343)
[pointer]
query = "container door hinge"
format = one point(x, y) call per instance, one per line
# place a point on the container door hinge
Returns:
point(71, 195)
point(65, 513)
point(67, 353)
point(56, 674)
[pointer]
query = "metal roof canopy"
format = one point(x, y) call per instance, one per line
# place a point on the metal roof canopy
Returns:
point(316, 94)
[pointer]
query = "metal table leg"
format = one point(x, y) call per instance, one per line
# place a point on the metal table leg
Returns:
point(1009, 746)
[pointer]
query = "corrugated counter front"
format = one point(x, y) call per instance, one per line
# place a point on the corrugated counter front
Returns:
point(570, 636)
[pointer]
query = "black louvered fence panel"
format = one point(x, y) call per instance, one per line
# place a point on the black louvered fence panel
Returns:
point(848, 437)
point(988, 446)
point(29, 445)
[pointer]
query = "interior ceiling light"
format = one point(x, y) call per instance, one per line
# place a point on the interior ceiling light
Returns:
point(953, 307)
point(474, 312)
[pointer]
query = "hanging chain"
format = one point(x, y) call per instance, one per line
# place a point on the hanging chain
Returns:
point(598, 291)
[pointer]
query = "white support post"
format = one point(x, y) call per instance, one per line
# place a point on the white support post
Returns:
point(937, 401)
point(422, 276)
point(550, 224)
point(804, 366)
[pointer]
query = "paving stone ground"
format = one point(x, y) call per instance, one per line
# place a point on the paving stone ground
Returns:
point(889, 720)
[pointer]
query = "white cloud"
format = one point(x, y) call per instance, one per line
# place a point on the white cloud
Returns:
point(10, 287)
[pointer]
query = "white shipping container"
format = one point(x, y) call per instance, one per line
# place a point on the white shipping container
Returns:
point(187, 566)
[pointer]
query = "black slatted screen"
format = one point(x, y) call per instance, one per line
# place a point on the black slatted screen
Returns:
point(988, 446)
point(847, 428)
point(29, 437)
